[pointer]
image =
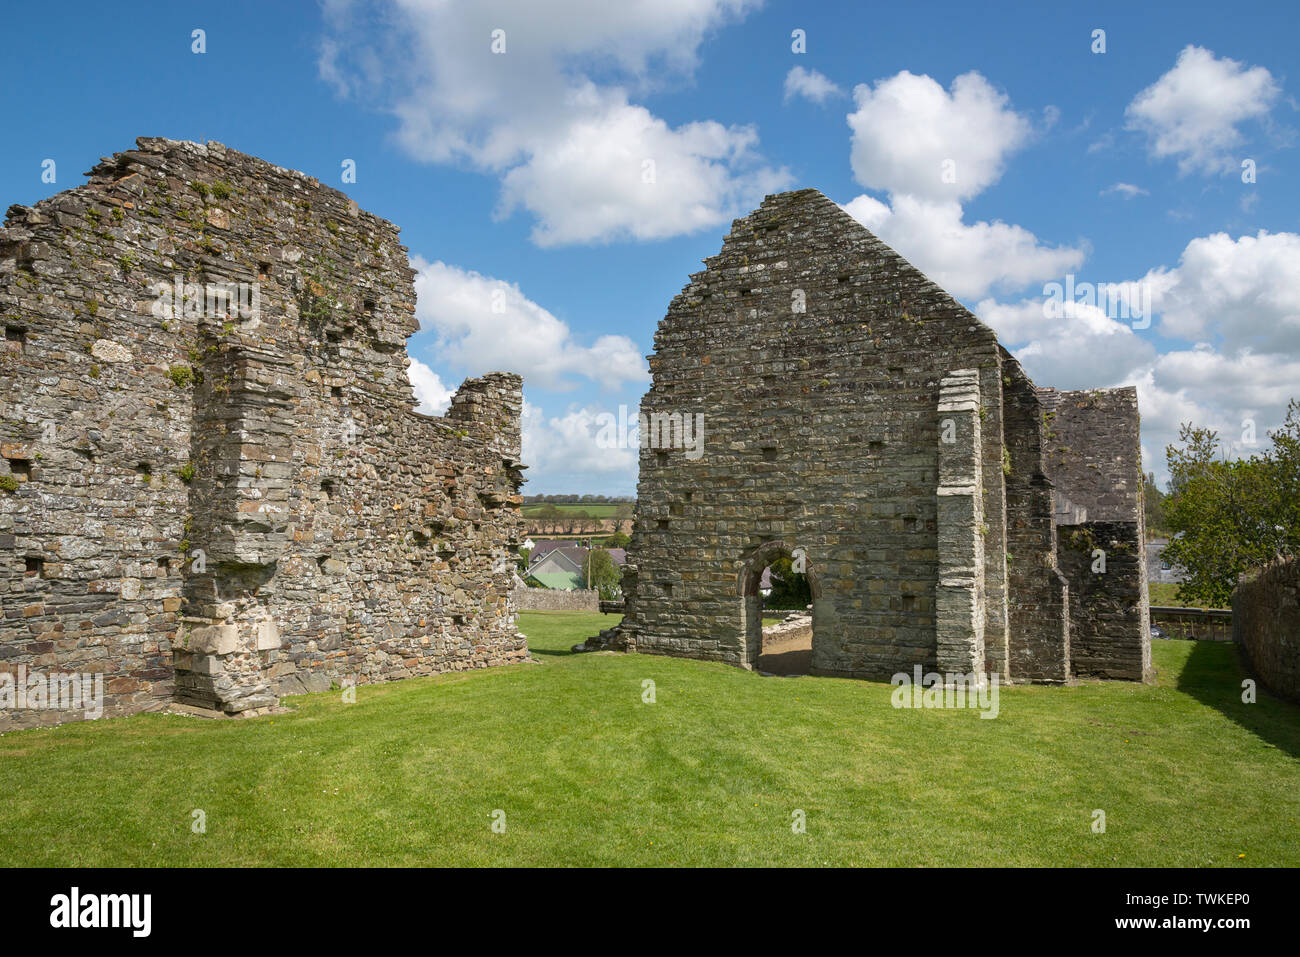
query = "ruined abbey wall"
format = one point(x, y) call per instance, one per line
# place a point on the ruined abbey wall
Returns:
point(224, 500)
point(1040, 613)
point(1266, 627)
point(853, 411)
point(814, 353)
point(1094, 460)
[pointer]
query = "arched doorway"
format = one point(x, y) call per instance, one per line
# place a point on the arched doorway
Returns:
point(796, 658)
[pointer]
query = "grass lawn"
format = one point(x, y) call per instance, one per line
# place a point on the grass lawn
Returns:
point(711, 773)
point(1163, 593)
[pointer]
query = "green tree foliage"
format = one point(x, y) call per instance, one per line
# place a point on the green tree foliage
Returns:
point(618, 540)
point(1231, 517)
point(603, 574)
point(1153, 503)
point(790, 589)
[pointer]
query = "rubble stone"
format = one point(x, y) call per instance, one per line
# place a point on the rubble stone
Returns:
point(217, 482)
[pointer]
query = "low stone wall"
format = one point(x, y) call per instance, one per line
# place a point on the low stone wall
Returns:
point(548, 599)
point(793, 628)
point(1193, 624)
point(1266, 626)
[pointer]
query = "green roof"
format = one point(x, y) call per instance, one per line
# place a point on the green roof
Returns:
point(562, 581)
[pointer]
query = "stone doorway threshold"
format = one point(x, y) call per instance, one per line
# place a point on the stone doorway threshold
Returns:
point(787, 648)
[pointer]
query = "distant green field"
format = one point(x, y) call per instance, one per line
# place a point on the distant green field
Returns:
point(595, 510)
point(1167, 595)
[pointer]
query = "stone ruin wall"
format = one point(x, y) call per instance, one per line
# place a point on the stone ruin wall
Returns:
point(813, 438)
point(822, 432)
point(550, 599)
point(1266, 627)
point(1094, 461)
point(1040, 608)
point(341, 536)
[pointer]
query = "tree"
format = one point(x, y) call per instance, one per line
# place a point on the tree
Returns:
point(603, 574)
point(618, 540)
point(547, 516)
point(790, 589)
point(1284, 459)
point(1229, 518)
point(1153, 504)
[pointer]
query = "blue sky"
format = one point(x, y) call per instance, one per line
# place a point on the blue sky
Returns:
point(518, 178)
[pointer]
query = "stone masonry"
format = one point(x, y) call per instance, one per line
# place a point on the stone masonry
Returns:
point(215, 488)
point(949, 513)
point(1266, 627)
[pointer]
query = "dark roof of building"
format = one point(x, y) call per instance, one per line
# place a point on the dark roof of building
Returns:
point(544, 546)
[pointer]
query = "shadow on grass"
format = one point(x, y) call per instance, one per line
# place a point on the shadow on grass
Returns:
point(1213, 676)
point(554, 652)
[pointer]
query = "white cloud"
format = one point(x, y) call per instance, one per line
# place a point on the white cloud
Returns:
point(810, 84)
point(1103, 143)
point(1246, 291)
point(1234, 395)
point(1242, 382)
point(1236, 301)
point(907, 127)
point(431, 395)
point(1193, 111)
point(1127, 190)
point(869, 211)
point(1083, 348)
point(1198, 385)
point(487, 324)
point(616, 171)
point(564, 449)
point(965, 259)
point(552, 115)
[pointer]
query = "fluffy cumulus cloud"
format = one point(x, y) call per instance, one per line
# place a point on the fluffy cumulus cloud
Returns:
point(616, 171)
point(809, 84)
point(1192, 113)
point(1234, 306)
point(569, 451)
point(931, 149)
point(1236, 303)
point(966, 259)
point(432, 397)
point(912, 136)
point(541, 95)
point(1241, 396)
point(1245, 292)
point(1079, 348)
point(484, 323)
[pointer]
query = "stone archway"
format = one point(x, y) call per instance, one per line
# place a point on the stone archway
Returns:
point(751, 605)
